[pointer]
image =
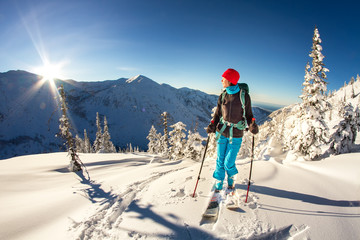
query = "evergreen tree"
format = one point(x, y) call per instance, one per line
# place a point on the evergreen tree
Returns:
point(176, 140)
point(163, 147)
point(129, 148)
point(158, 146)
point(65, 132)
point(98, 140)
point(65, 126)
point(246, 144)
point(193, 146)
point(153, 140)
point(314, 81)
point(346, 131)
point(352, 81)
point(310, 131)
point(87, 144)
point(318, 70)
point(165, 137)
point(79, 144)
point(212, 146)
point(308, 90)
point(107, 145)
point(352, 91)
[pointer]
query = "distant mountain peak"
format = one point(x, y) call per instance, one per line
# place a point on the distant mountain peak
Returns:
point(137, 78)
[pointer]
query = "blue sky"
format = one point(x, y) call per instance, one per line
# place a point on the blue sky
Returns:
point(183, 43)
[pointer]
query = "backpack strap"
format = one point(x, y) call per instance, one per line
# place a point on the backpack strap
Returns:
point(242, 100)
point(241, 125)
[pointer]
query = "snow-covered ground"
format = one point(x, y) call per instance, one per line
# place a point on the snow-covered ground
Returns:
point(141, 196)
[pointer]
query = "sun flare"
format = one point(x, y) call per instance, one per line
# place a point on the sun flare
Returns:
point(49, 72)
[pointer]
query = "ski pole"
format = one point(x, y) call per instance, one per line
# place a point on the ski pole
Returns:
point(251, 164)
point(202, 163)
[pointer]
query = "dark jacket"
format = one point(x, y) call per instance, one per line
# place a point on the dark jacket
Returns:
point(231, 110)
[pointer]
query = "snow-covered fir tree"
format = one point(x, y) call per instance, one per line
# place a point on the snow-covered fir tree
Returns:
point(245, 150)
point(308, 88)
point(158, 146)
point(87, 144)
point(346, 130)
point(98, 140)
point(79, 144)
point(130, 149)
point(318, 70)
point(177, 140)
point(352, 81)
point(315, 77)
point(212, 147)
point(165, 138)
point(310, 131)
point(153, 140)
point(352, 91)
point(65, 132)
point(163, 149)
point(106, 144)
point(193, 146)
point(65, 126)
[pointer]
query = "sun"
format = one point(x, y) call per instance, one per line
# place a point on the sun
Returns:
point(49, 72)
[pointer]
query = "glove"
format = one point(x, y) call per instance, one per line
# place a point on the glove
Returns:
point(253, 128)
point(211, 128)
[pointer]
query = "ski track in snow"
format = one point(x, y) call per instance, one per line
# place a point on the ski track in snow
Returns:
point(108, 216)
point(241, 223)
point(107, 222)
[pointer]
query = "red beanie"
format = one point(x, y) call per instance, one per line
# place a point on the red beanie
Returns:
point(231, 75)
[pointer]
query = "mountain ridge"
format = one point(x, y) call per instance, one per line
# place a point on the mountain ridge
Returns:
point(29, 113)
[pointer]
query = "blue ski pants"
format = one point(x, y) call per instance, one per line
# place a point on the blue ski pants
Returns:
point(226, 156)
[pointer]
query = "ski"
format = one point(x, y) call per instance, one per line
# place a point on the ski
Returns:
point(212, 210)
point(231, 197)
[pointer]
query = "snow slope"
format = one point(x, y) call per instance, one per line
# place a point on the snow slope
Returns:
point(141, 196)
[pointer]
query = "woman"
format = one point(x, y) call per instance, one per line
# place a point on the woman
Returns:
point(232, 116)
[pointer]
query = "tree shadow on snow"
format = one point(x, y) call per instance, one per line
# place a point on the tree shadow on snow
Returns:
point(133, 161)
point(308, 212)
point(179, 231)
point(93, 191)
point(106, 163)
point(304, 198)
